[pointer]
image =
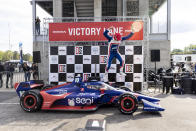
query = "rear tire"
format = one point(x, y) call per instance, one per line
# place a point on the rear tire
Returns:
point(31, 101)
point(128, 104)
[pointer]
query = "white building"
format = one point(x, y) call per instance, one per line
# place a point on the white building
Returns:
point(156, 13)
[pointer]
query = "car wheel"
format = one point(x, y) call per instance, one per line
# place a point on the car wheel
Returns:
point(128, 104)
point(31, 101)
point(125, 88)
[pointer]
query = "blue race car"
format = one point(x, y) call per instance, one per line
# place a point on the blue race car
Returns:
point(82, 96)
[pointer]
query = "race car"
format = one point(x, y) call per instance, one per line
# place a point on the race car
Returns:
point(82, 96)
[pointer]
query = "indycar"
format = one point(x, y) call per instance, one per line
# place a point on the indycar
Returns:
point(82, 96)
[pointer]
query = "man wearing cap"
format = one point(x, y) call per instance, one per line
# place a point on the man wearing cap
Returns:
point(113, 50)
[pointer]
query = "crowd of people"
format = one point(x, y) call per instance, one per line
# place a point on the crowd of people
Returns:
point(8, 70)
point(181, 67)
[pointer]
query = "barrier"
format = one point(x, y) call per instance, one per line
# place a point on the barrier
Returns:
point(17, 77)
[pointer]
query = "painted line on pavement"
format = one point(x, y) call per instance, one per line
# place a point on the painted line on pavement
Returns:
point(9, 103)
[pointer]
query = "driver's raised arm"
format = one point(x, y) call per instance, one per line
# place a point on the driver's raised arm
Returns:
point(106, 33)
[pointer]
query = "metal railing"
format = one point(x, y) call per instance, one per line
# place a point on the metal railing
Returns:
point(46, 21)
point(17, 77)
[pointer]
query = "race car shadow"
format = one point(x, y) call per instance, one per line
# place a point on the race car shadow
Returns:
point(161, 96)
point(118, 117)
point(145, 115)
point(192, 96)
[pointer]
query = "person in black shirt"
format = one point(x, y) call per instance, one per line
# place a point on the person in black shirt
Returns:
point(37, 25)
point(27, 73)
point(10, 70)
point(1, 74)
point(34, 69)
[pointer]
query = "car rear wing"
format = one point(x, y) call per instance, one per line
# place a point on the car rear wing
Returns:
point(25, 86)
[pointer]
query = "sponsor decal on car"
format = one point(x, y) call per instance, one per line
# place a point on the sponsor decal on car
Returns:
point(78, 100)
point(71, 102)
point(21, 93)
point(84, 94)
point(87, 101)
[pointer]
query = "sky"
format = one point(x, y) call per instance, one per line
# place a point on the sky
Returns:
point(16, 24)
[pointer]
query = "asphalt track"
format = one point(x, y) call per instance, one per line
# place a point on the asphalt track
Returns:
point(180, 115)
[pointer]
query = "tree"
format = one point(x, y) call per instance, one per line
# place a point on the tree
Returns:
point(191, 49)
point(16, 55)
point(7, 55)
point(177, 51)
point(27, 57)
point(1, 55)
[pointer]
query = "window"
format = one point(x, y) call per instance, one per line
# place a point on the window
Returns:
point(109, 7)
point(158, 16)
point(68, 8)
point(133, 8)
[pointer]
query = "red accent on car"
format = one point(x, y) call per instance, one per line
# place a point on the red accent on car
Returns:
point(56, 86)
point(102, 91)
point(29, 97)
point(122, 103)
point(60, 107)
point(112, 99)
point(35, 85)
point(16, 85)
point(48, 99)
point(82, 89)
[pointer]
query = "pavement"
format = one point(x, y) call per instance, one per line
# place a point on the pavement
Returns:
point(180, 115)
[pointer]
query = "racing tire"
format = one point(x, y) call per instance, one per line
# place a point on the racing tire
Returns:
point(125, 88)
point(128, 104)
point(31, 101)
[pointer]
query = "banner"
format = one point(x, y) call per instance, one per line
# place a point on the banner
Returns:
point(90, 31)
point(21, 54)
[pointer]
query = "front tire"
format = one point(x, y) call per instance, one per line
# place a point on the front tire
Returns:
point(31, 101)
point(128, 104)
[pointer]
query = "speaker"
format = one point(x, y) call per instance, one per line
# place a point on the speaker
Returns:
point(155, 55)
point(188, 58)
point(36, 57)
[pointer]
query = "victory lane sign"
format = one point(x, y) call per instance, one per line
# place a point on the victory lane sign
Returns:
point(89, 31)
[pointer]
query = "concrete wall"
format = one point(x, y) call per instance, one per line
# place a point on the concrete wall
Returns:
point(57, 8)
point(119, 7)
point(143, 7)
point(44, 65)
point(164, 47)
point(97, 8)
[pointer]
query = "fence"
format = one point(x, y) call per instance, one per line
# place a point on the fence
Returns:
point(17, 77)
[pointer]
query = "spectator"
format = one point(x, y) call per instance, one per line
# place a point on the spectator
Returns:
point(195, 67)
point(34, 69)
point(27, 73)
point(10, 70)
point(37, 25)
point(1, 74)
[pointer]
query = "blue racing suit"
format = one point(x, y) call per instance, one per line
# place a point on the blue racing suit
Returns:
point(113, 50)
